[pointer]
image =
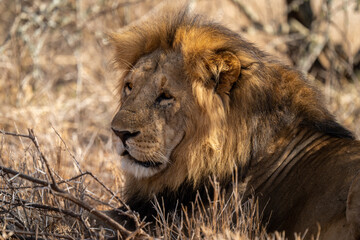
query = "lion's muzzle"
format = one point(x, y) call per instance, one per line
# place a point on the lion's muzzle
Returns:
point(125, 135)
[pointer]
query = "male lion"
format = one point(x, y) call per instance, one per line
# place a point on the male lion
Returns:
point(197, 100)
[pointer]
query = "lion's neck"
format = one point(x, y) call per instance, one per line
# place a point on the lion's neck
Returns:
point(289, 169)
point(281, 156)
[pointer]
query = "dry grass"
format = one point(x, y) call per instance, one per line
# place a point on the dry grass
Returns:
point(56, 78)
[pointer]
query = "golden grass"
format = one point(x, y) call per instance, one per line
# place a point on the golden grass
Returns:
point(56, 78)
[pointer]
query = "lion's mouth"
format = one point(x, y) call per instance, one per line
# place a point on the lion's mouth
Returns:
point(146, 164)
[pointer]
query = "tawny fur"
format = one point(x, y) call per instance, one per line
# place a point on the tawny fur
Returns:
point(243, 112)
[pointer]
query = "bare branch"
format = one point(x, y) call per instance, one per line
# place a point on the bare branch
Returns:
point(68, 150)
point(32, 137)
point(249, 14)
point(24, 176)
point(15, 134)
point(43, 207)
point(316, 46)
point(43, 158)
point(61, 193)
point(44, 234)
point(87, 173)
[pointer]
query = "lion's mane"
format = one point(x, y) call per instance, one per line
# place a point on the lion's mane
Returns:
point(229, 129)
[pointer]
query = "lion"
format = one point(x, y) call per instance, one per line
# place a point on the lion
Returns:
point(199, 101)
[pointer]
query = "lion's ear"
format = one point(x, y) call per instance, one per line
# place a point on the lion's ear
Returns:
point(225, 68)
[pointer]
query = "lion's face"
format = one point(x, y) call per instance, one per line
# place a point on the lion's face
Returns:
point(150, 122)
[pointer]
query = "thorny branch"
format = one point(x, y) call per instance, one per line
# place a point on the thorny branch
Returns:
point(66, 195)
point(67, 149)
point(18, 234)
point(22, 202)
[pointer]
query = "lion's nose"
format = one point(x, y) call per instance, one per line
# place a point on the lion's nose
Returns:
point(125, 135)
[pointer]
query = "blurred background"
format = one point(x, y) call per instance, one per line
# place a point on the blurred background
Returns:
point(56, 75)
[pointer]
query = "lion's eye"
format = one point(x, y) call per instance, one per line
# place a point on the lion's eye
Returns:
point(165, 98)
point(128, 87)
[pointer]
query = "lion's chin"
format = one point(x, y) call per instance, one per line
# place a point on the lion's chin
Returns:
point(140, 169)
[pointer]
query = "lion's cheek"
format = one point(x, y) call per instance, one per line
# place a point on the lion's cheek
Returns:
point(172, 137)
point(173, 127)
point(173, 133)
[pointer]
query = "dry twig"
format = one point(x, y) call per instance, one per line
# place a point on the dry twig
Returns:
point(61, 193)
point(249, 14)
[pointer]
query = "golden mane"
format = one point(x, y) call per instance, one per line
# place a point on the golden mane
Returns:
point(239, 113)
point(227, 130)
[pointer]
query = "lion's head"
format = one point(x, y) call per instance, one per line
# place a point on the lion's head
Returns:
point(151, 120)
point(196, 100)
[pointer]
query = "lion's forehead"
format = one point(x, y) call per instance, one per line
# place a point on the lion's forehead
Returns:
point(147, 64)
point(160, 69)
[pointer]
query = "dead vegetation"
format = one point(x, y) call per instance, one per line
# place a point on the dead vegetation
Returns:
point(55, 78)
